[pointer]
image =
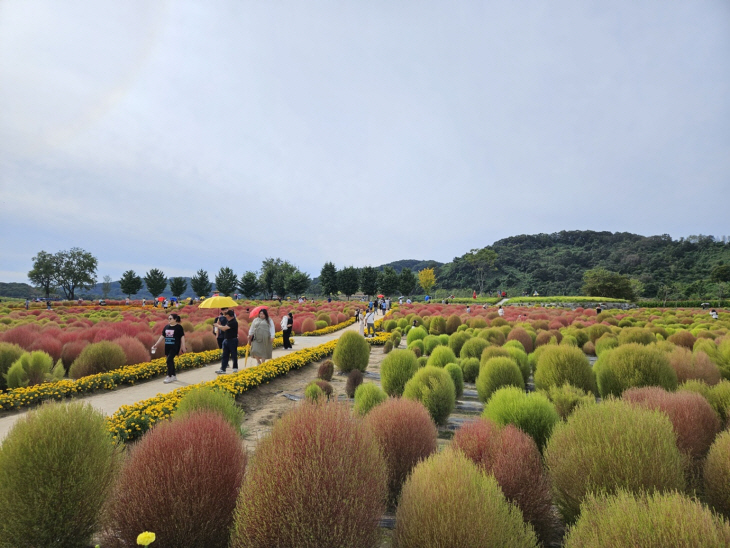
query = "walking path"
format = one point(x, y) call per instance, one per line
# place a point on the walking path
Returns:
point(109, 401)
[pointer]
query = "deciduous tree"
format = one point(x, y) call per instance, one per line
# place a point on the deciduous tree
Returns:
point(426, 279)
point(106, 286)
point(599, 282)
point(482, 260)
point(407, 282)
point(43, 273)
point(388, 281)
point(74, 269)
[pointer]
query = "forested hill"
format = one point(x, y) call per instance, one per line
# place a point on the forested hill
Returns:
point(553, 264)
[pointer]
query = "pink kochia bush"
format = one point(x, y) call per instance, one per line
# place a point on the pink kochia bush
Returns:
point(694, 421)
point(406, 434)
point(181, 482)
point(319, 479)
point(514, 460)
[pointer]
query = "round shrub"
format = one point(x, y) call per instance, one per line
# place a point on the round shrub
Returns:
point(606, 342)
point(719, 398)
point(133, 349)
point(514, 460)
point(433, 387)
point(429, 343)
point(656, 520)
point(415, 334)
point(690, 366)
point(514, 344)
point(494, 352)
point(608, 447)
point(56, 470)
point(597, 330)
point(390, 325)
point(694, 421)
point(313, 393)
point(437, 325)
point(396, 337)
point(470, 368)
point(71, 351)
point(444, 338)
point(367, 396)
point(326, 488)
point(418, 347)
point(558, 365)
point(521, 359)
point(308, 325)
point(496, 373)
point(457, 340)
point(325, 387)
point(589, 349)
point(452, 324)
point(457, 376)
point(683, 338)
point(441, 356)
point(532, 413)
point(717, 474)
point(473, 348)
point(569, 340)
point(492, 336)
point(32, 368)
point(325, 370)
point(320, 324)
point(406, 435)
point(9, 354)
point(421, 361)
point(168, 485)
point(354, 379)
point(396, 370)
point(351, 352)
point(448, 501)
point(97, 358)
point(387, 347)
point(633, 366)
point(636, 335)
point(204, 398)
point(523, 337)
point(545, 337)
point(478, 323)
point(567, 397)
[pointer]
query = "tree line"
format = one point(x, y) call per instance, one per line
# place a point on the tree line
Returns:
point(371, 281)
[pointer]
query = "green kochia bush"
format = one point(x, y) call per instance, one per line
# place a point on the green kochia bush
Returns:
point(532, 413)
point(204, 398)
point(367, 396)
point(567, 397)
point(396, 370)
point(657, 520)
point(56, 470)
point(430, 342)
point(604, 343)
point(457, 376)
point(97, 358)
point(612, 446)
point(417, 333)
point(717, 474)
point(313, 393)
point(470, 368)
point(352, 352)
point(558, 365)
point(326, 488)
point(457, 340)
point(33, 368)
point(433, 387)
point(633, 365)
point(9, 353)
point(496, 373)
point(441, 356)
point(437, 325)
point(448, 501)
point(473, 348)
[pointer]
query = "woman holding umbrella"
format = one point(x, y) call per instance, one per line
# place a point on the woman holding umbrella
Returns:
point(261, 334)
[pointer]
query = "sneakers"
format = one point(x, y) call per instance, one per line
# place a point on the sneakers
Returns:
point(234, 370)
point(220, 372)
point(168, 380)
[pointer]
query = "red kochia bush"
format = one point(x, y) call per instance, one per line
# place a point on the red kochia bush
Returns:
point(683, 338)
point(181, 482)
point(71, 351)
point(697, 365)
point(319, 479)
point(49, 345)
point(514, 459)
point(23, 335)
point(519, 334)
point(694, 421)
point(134, 350)
point(308, 325)
point(406, 435)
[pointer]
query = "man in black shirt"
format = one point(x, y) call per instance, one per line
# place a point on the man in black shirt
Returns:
point(219, 332)
point(230, 343)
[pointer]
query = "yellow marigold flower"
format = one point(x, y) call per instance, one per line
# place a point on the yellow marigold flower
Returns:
point(146, 538)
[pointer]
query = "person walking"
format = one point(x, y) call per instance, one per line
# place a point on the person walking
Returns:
point(500, 311)
point(230, 342)
point(217, 331)
point(370, 322)
point(174, 336)
point(262, 330)
point(383, 306)
point(287, 323)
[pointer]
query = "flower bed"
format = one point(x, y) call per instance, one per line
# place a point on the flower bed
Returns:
point(131, 421)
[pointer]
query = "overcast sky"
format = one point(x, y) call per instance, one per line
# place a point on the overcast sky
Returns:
point(186, 135)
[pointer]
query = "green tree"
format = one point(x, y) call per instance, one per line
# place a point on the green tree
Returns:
point(348, 280)
point(369, 280)
point(130, 283)
point(298, 282)
point(328, 279)
point(75, 269)
point(226, 281)
point(269, 268)
point(201, 283)
point(281, 278)
point(249, 284)
point(599, 282)
point(407, 282)
point(388, 281)
point(106, 286)
point(482, 260)
point(178, 286)
point(155, 281)
point(721, 273)
point(427, 279)
point(43, 274)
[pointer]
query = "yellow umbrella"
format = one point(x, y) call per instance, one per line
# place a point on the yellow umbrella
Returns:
point(218, 302)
